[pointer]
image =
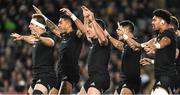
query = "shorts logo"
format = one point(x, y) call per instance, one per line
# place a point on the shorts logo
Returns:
point(39, 80)
point(49, 87)
point(65, 77)
point(158, 83)
point(124, 85)
point(93, 84)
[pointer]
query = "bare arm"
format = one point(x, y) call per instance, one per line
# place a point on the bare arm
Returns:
point(29, 39)
point(164, 42)
point(53, 27)
point(133, 44)
point(177, 53)
point(150, 47)
point(32, 39)
point(77, 21)
point(128, 38)
point(46, 41)
point(100, 33)
point(98, 30)
point(116, 43)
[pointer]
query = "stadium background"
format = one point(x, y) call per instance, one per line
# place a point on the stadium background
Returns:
point(15, 15)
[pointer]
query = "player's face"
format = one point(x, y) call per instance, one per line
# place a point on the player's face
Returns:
point(63, 24)
point(120, 31)
point(34, 28)
point(91, 33)
point(156, 23)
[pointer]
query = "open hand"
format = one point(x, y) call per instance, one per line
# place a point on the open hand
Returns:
point(38, 11)
point(66, 11)
point(16, 36)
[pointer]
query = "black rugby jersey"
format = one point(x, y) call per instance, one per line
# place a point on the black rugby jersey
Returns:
point(130, 68)
point(98, 58)
point(70, 48)
point(165, 57)
point(43, 59)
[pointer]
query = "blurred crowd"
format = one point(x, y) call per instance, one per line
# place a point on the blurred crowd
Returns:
point(15, 15)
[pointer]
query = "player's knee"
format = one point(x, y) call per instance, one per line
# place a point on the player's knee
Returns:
point(37, 92)
point(93, 90)
point(30, 90)
point(159, 91)
point(126, 91)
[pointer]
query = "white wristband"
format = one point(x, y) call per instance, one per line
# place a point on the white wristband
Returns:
point(125, 37)
point(143, 45)
point(152, 61)
point(158, 46)
point(73, 17)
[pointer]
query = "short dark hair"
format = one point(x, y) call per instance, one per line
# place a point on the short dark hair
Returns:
point(101, 23)
point(39, 18)
point(164, 14)
point(129, 24)
point(174, 22)
point(69, 18)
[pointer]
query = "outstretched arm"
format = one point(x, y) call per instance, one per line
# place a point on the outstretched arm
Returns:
point(29, 39)
point(53, 27)
point(100, 33)
point(130, 41)
point(116, 43)
point(45, 40)
point(32, 39)
point(77, 21)
point(98, 29)
point(151, 47)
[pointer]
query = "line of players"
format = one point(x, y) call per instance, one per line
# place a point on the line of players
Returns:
point(72, 31)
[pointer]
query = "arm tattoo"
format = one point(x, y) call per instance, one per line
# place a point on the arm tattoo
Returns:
point(53, 27)
point(119, 45)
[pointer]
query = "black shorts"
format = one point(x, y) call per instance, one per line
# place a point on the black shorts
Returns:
point(165, 82)
point(48, 82)
point(98, 81)
point(133, 85)
point(68, 73)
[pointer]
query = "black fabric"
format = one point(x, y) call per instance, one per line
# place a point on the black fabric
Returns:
point(130, 68)
point(98, 58)
point(165, 57)
point(37, 92)
point(70, 48)
point(134, 86)
point(178, 64)
point(43, 59)
point(99, 81)
point(48, 82)
point(165, 82)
